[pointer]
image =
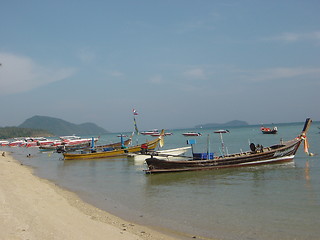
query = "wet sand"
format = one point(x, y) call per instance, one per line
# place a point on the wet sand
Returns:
point(34, 208)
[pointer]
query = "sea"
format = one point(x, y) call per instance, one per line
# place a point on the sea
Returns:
point(279, 201)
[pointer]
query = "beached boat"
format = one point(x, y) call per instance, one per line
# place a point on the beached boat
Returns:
point(266, 130)
point(75, 140)
point(162, 154)
point(83, 146)
point(94, 153)
point(17, 143)
point(4, 143)
point(37, 142)
point(282, 152)
point(191, 134)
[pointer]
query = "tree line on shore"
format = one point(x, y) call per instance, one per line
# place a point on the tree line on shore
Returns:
point(13, 132)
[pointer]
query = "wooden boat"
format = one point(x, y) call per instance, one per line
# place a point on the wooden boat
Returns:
point(266, 130)
point(191, 134)
point(113, 153)
point(283, 152)
point(115, 145)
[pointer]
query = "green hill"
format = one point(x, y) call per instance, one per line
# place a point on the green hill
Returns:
point(60, 127)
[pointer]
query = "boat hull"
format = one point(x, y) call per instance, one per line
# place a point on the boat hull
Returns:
point(113, 153)
point(273, 154)
point(283, 152)
point(270, 132)
point(191, 134)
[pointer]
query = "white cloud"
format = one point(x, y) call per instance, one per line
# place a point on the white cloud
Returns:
point(282, 73)
point(195, 73)
point(294, 37)
point(21, 74)
point(157, 79)
point(86, 55)
point(116, 73)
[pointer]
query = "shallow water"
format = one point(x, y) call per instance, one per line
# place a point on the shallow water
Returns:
point(264, 202)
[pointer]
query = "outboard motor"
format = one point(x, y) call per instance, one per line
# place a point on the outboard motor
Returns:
point(252, 147)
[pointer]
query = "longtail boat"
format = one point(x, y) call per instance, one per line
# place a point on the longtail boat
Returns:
point(266, 130)
point(283, 152)
point(93, 154)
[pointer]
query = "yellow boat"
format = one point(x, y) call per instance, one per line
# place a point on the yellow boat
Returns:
point(151, 145)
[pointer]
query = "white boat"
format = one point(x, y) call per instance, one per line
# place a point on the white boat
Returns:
point(192, 134)
point(75, 140)
point(154, 131)
point(169, 154)
point(158, 134)
point(174, 151)
point(16, 143)
point(222, 131)
point(4, 143)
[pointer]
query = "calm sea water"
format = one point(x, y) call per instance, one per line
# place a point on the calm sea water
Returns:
point(265, 202)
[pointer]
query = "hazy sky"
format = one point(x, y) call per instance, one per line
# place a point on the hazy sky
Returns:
point(179, 63)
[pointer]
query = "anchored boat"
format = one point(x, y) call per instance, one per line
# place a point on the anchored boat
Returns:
point(283, 152)
point(94, 154)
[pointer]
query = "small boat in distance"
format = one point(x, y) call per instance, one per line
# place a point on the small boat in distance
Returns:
point(120, 135)
point(154, 131)
point(257, 155)
point(266, 130)
point(222, 131)
point(191, 134)
point(158, 134)
point(4, 143)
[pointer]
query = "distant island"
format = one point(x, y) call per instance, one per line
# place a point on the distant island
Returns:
point(59, 127)
point(234, 123)
point(43, 126)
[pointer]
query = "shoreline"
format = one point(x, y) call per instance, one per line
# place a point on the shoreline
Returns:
point(35, 208)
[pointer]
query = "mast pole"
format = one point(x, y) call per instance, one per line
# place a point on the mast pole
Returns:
point(208, 147)
point(222, 144)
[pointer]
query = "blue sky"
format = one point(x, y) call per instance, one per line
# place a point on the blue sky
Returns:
point(179, 63)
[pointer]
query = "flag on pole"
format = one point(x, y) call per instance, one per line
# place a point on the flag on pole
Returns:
point(134, 112)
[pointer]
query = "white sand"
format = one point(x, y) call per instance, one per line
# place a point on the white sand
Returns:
point(33, 208)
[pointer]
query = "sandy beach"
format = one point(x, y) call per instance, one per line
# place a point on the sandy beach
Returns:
point(34, 208)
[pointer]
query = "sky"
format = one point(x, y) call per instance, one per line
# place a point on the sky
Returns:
point(179, 63)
